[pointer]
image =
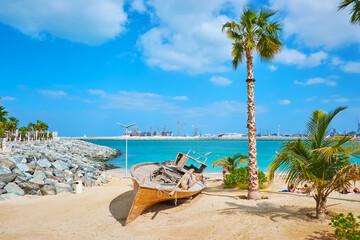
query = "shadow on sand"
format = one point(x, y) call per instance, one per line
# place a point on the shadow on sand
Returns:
point(120, 206)
point(324, 235)
point(272, 211)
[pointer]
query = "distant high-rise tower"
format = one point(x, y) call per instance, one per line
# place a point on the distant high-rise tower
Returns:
point(279, 130)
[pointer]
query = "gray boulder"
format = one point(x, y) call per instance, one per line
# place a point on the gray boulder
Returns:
point(59, 179)
point(18, 172)
point(20, 159)
point(48, 190)
point(88, 168)
point(2, 184)
point(37, 181)
point(62, 187)
point(23, 167)
point(50, 181)
point(39, 174)
point(8, 196)
point(102, 179)
point(59, 174)
point(31, 165)
point(14, 188)
point(6, 178)
point(87, 183)
point(43, 163)
point(28, 187)
point(20, 179)
point(60, 165)
point(48, 173)
point(4, 170)
point(7, 163)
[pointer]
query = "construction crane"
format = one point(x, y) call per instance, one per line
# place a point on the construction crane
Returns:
point(184, 129)
point(178, 123)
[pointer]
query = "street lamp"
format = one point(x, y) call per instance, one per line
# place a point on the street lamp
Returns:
point(126, 127)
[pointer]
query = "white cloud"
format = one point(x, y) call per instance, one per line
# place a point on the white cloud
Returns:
point(351, 67)
point(53, 94)
point(137, 101)
point(220, 81)
point(325, 101)
point(91, 22)
point(342, 100)
point(310, 99)
point(317, 23)
point(336, 61)
point(188, 36)
point(181, 98)
point(7, 98)
point(273, 68)
point(138, 5)
point(284, 102)
point(295, 57)
point(151, 102)
point(317, 80)
point(96, 92)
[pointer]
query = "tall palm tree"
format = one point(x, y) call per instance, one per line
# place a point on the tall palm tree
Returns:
point(355, 11)
point(254, 32)
point(230, 163)
point(321, 160)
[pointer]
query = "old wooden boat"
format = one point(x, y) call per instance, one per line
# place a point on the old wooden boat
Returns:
point(156, 182)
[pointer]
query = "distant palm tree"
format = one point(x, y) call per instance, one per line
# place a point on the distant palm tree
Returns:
point(24, 130)
point(12, 124)
point(3, 113)
point(32, 127)
point(355, 11)
point(254, 32)
point(320, 159)
point(230, 163)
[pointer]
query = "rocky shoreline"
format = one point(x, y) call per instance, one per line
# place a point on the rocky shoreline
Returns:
point(52, 167)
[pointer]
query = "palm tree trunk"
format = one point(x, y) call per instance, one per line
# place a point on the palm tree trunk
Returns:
point(320, 206)
point(253, 185)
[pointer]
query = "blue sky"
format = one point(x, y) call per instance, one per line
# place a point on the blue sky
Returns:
point(83, 65)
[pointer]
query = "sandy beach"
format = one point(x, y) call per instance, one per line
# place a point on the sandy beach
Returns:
point(217, 213)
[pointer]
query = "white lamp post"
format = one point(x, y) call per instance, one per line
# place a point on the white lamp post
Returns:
point(126, 127)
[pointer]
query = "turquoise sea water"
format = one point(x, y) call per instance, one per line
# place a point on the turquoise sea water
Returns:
point(160, 150)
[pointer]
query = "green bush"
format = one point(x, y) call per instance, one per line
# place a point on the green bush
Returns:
point(239, 178)
point(346, 227)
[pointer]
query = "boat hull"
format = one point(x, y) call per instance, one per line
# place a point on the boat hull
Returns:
point(146, 197)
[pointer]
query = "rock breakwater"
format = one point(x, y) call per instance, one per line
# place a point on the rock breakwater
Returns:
point(52, 167)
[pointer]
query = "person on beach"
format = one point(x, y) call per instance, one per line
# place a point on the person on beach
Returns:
point(356, 190)
point(189, 181)
point(291, 188)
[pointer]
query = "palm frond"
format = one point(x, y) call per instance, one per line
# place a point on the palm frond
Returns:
point(355, 10)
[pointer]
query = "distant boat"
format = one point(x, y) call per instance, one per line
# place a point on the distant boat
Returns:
point(156, 182)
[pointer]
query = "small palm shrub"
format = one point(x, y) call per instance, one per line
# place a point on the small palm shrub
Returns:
point(239, 178)
point(346, 227)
